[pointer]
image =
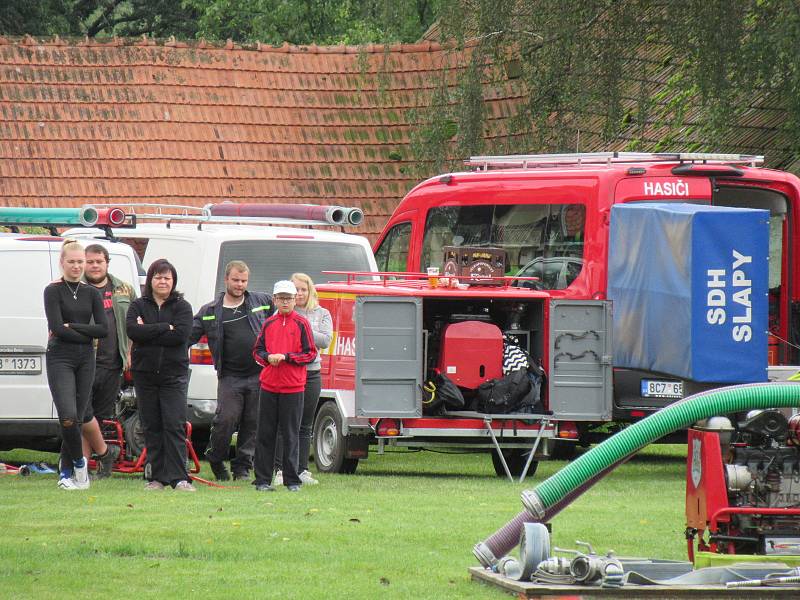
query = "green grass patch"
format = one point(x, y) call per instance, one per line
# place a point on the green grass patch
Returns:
point(403, 527)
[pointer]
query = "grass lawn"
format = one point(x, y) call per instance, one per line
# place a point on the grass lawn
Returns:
point(403, 526)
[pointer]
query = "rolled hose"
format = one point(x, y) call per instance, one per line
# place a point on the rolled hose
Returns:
point(560, 489)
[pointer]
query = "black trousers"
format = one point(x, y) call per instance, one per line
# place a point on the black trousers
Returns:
point(162, 410)
point(278, 412)
point(105, 392)
point(237, 405)
point(70, 371)
point(310, 400)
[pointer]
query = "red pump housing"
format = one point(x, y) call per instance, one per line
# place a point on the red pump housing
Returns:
point(471, 353)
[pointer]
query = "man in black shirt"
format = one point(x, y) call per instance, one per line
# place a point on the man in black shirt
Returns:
point(231, 323)
point(113, 356)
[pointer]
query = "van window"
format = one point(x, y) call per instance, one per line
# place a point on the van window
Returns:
point(534, 236)
point(273, 260)
point(392, 255)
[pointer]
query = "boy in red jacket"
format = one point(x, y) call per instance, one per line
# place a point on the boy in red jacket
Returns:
point(283, 348)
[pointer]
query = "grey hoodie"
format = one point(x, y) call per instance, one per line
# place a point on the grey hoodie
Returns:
point(322, 328)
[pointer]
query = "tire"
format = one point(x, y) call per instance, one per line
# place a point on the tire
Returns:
point(515, 458)
point(563, 450)
point(134, 436)
point(330, 445)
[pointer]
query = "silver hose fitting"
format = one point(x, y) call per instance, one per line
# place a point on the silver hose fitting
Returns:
point(532, 502)
point(485, 556)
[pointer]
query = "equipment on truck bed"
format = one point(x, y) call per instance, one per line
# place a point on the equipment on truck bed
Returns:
point(743, 488)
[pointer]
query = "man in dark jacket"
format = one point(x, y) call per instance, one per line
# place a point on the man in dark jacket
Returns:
point(231, 323)
point(284, 347)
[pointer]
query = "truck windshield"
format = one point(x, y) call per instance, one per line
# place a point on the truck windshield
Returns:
point(273, 260)
point(540, 240)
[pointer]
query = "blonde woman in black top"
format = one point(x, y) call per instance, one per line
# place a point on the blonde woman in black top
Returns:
point(75, 318)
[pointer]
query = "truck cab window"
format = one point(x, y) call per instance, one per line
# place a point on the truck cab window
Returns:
point(540, 240)
point(392, 255)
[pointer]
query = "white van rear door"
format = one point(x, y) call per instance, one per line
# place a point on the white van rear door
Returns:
point(24, 392)
point(123, 265)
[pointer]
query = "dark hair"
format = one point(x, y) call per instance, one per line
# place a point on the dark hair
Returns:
point(162, 265)
point(98, 249)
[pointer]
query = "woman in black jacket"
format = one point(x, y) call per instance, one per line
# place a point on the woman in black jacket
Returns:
point(75, 319)
point(159, 324)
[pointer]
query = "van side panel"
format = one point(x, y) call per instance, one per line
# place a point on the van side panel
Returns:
point(23, 330)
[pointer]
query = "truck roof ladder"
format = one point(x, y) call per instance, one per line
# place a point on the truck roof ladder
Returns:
point(169, 213)
point(526, 161)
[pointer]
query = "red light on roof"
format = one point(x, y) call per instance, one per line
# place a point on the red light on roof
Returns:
point(295, 237)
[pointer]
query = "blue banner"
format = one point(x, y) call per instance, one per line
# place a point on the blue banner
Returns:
point(689, 286)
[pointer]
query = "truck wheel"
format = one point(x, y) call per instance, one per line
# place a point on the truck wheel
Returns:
point(330, 445)
point(563, 450)
point(515, 459)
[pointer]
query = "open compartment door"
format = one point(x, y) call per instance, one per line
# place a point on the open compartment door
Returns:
point(388, 357)
point(580, 360)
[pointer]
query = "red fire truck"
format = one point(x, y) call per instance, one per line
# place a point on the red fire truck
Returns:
point(552, 219)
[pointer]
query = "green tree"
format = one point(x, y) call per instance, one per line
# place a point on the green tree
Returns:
point(97, 18)
point(38, 17)
point(598, 71)
point(314, 21)
point(130, 18)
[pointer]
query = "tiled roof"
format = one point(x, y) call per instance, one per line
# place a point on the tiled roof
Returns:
point(136, 121)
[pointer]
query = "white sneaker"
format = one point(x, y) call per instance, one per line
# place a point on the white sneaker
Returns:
point(307, 478)
point(81, 476)
point(66, 483)
point(278, 479)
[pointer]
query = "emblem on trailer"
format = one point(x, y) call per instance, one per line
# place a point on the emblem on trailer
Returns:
point(697, 467)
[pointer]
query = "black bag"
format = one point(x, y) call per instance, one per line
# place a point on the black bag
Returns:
point(438, 393)
point(506, 394)
point(448, 392)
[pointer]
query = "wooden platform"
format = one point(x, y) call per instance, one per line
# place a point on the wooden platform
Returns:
point(522, 589)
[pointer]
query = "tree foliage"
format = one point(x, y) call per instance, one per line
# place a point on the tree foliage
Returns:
point(314, 21)
point(269, 21)
point(605, 70)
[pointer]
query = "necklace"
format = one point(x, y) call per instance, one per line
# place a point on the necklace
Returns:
point(235, 308)
point(75, 291)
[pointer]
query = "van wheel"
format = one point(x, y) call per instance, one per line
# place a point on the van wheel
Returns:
point(515, 459)
point(330, 445)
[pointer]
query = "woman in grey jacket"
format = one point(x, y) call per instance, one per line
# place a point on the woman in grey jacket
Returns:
point(322, 327)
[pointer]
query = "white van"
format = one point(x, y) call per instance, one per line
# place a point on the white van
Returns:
point(200, 253)
point(28, 263)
